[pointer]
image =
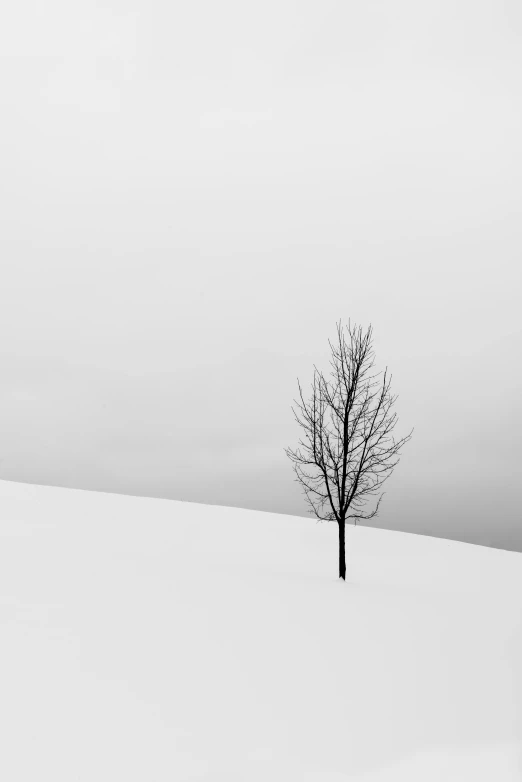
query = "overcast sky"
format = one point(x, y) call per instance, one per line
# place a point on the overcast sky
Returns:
point(192, 194)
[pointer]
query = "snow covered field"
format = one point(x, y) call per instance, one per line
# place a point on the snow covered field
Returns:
point(150, 640)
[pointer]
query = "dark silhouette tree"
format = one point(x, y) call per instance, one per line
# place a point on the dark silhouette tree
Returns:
point(348, 449)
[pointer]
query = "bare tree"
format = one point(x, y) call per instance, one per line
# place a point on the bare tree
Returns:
point(348, 449)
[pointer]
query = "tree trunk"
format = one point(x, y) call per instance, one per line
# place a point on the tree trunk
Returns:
point(342, 555)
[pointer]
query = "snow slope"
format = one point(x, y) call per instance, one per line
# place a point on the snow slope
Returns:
point(153, 640)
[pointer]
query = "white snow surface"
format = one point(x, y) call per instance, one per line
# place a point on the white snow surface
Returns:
point(147, 640)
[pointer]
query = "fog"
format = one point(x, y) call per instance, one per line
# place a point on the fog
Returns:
point(193, 194)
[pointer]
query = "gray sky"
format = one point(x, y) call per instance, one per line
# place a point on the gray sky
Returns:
point(192, 194)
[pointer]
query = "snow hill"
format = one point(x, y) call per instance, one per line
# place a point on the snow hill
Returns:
point(148, 640)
